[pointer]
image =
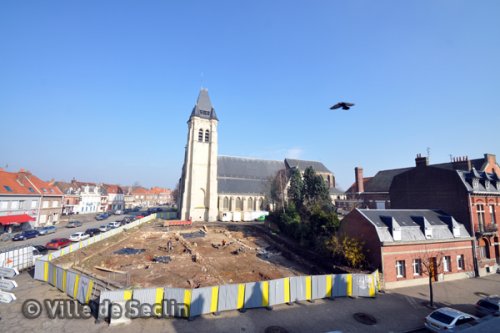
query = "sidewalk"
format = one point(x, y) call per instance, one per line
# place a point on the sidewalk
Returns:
point(396, 311)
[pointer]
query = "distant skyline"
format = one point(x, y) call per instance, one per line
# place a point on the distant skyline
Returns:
point(102, 90)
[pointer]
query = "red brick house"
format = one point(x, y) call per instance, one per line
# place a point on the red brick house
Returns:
point(404, 244)
point(467, 189)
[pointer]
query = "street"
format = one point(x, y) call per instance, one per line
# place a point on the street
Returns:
point(88, 221)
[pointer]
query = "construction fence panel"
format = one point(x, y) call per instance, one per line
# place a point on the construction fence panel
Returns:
point(279, 291)
point(231, 297)
point(363, 285)
point(85, 286)
point(60, 278)
point(40, 269)
point(151, 296)
point(51, 274)
point(321, 286)
point(71, 283)
point(203, 301)
point(342, 285)
point(110, 297)
point(300, 288)
point(181, 300)
point(256, 294)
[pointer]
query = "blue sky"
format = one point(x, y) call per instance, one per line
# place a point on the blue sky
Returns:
point(102, 90)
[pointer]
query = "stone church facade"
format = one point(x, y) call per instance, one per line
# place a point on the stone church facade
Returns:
point(226, 188)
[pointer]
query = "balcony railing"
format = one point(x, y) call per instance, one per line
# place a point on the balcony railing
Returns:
point(487, 229)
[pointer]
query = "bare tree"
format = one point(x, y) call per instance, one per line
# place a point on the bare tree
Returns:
point(430, 263)
point(277, 187)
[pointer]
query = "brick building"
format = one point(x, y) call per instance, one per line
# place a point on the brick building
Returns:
point(404, 244)
point(467, 189)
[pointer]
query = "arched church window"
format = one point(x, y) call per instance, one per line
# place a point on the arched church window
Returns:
point(207, 135)
point(250, 204)
point(238, 203)
point(225, 205)
point(200, 135)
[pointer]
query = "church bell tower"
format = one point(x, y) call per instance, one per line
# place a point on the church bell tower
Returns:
point(198, 183)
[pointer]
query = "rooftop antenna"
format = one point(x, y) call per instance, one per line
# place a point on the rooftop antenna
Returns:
point(429, 152)
point(451, 158)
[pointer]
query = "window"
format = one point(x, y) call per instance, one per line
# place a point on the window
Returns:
point(207, 135)
point(480, 217)
point(250, 204)
point(400, 269)
point(45, 204)
point(460, 262)
point(200, 135)
point(14, 204)
point(31, 189)
point(225, 205)
point(44, 190)
point(7, 188)
point(33, 204)
point(493, 215)
point(55, 204)
point(447, 264)
point(4, 204)
point(205, 113)
point(238, 203)
point(417, 267)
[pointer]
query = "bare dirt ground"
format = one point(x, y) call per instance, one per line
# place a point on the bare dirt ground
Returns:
point(233, 254)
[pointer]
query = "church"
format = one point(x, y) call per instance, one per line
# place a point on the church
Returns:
point(227, 188)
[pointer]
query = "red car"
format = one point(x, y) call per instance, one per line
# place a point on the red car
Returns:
point(57, 243)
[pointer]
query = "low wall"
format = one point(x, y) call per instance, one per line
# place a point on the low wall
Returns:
point(188, 303)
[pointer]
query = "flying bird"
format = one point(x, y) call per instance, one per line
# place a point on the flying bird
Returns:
point(343, 105)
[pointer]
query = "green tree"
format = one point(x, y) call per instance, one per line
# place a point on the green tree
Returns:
point(315, 189)
point(296, 189)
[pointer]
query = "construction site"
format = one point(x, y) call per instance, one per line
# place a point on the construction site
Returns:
point(191, 256)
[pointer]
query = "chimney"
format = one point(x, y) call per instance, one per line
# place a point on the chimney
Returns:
point(421, 161)
point(462, 163)
point(360, 185)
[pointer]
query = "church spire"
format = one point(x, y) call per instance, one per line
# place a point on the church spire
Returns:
point(203, 107)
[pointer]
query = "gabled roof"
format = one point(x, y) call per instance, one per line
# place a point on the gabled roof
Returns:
point(15, 184)
point(352, 188)
point(414, 224)
point(302, 165)
point(239, 175)
point(203, 107)
point(115, 189)
point(24, 182)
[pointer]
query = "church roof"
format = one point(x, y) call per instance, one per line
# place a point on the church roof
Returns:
point(302, 165)
point(240, 175)
point(203, 107)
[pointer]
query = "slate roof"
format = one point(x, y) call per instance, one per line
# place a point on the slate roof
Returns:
point(485, 182)
point(382, 181)
point(238, 175)
point(413, 224)
point(203, 107)
point(302, 165)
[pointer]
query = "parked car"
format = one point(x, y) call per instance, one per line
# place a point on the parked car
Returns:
point(46, 230)
point(127, 219)
point(488, 305)
point(39, 250)
point(78, 236)
point(114, 224)
point(104, 228)
point(448, 319)
point(102, 216)
point(92, 232)
point(73, 224)
point(26, 235)
point(118, 212)
point(57, 243)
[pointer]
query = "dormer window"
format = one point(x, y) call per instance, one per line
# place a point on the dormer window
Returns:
point(205, 113)
point(498, 185)
point(487, 184)
point(200, 135)
point(475, 183)
point(207, 136)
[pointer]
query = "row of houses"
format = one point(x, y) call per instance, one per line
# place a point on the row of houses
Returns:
point(25, 198)
point(442, 218)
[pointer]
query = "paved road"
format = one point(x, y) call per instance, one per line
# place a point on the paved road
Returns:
point(88, 221)
point(401, 310)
